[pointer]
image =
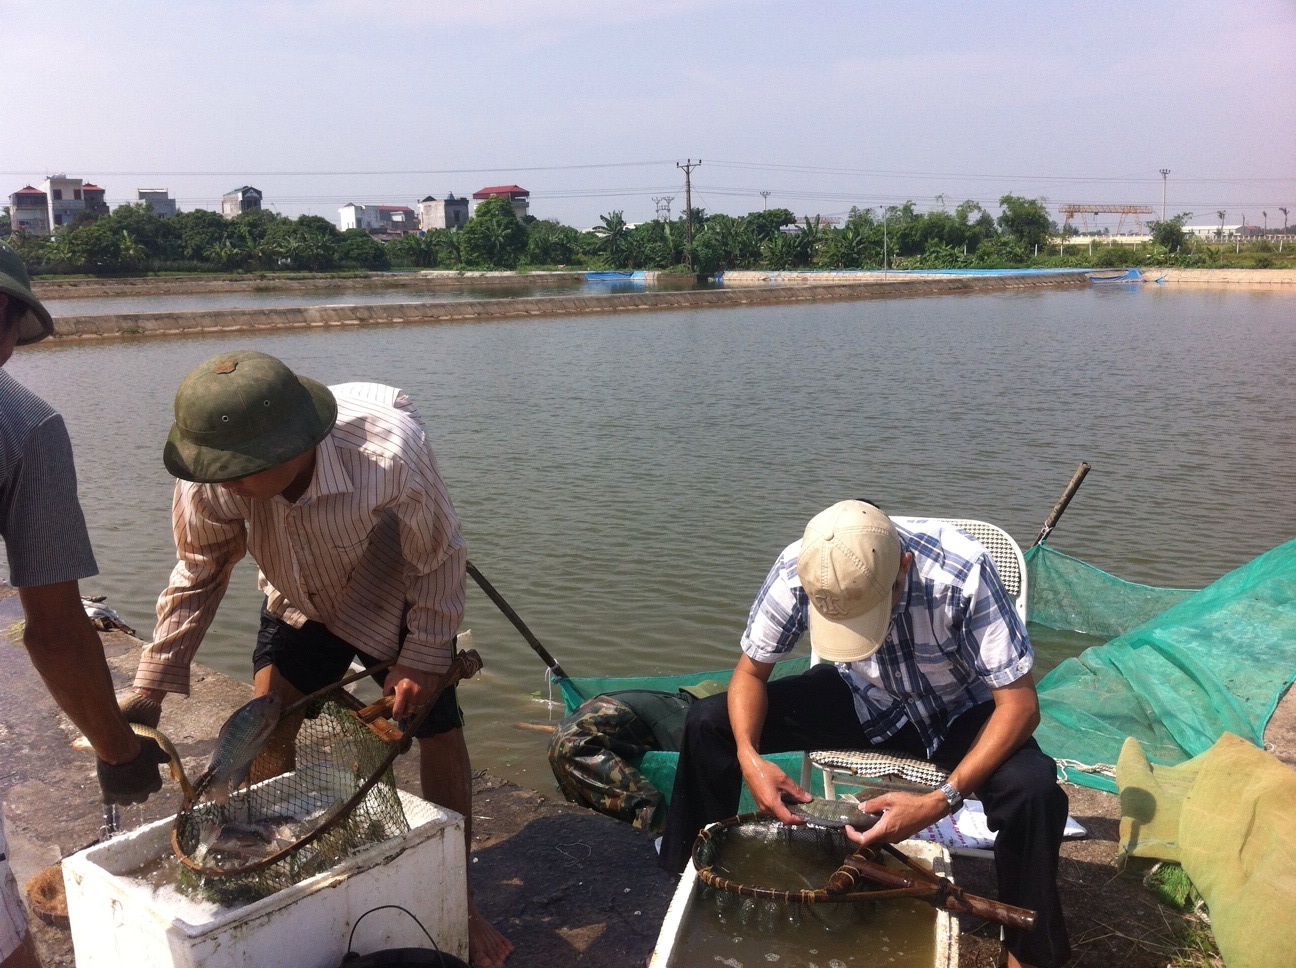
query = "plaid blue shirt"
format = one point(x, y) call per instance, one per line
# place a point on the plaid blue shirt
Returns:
point(954, 636)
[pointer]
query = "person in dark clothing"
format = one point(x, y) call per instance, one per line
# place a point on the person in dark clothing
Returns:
point(926, 657)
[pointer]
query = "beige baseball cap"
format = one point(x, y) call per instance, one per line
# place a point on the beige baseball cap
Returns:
point(850, 557)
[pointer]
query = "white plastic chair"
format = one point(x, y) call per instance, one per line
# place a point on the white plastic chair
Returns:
point(868, 768)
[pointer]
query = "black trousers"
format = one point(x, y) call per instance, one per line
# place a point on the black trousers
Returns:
point(1022, 800)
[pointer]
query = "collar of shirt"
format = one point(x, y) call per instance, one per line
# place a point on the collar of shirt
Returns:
point(330, 475)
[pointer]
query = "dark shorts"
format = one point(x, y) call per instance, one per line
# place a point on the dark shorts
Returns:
point(312, 657)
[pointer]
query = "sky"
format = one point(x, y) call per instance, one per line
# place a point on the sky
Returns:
point(816, 106)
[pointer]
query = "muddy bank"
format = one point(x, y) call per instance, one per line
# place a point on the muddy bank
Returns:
point(306, 317)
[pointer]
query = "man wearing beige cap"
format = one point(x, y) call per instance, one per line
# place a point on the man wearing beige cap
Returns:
point(925, 656)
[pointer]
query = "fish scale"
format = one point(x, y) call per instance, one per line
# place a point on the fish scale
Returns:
point(241, 739)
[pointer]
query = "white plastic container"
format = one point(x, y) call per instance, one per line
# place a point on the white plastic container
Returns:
point(666, 955)
point(118, 921)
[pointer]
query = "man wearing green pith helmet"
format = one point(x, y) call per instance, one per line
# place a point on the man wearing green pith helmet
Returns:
point(336, 494)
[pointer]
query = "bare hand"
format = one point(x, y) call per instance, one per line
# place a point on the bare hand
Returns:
point(413, 689)
point(903, 815)
point(770, 786)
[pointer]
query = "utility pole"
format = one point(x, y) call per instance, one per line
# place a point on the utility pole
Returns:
point(663, 204)
point(765, 203)
point(1165, 173)
point(688, 167)
point(884, 239)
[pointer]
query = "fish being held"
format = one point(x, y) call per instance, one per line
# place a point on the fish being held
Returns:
point(148, 732)
point(833, 814)
point(240, 740)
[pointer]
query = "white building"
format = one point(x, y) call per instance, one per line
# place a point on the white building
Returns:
point(243, 199)
point(448, 213)
point(159, 200)
point(378, 219)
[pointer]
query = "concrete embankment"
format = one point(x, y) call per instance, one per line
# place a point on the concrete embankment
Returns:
point(1244, 278)
point(424, 280)
point(233, 320)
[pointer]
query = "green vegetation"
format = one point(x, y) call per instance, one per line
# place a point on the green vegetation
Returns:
point(134, 241)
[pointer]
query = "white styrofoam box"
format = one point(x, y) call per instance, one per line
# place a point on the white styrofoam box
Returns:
point(672, 932)
point(118, 921)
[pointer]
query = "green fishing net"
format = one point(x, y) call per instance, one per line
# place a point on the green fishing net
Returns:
point(1212, 662)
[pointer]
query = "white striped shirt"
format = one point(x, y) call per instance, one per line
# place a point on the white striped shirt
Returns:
point(371, 549)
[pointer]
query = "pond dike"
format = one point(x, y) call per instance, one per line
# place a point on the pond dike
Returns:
point(567, 885)
point(759, 291)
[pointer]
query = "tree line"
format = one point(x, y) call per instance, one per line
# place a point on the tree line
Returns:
point(133, 240)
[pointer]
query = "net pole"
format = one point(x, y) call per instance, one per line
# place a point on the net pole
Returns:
point(1072, 486)
point(516, 619)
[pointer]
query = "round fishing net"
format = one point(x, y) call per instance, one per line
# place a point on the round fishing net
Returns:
point(320, 790)
point(755, 856)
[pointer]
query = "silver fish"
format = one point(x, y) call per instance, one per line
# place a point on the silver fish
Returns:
point(242, 737)
point(833, 814)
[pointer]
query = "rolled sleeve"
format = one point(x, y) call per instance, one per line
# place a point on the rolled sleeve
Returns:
point(779, 615)
point(436, 568)
point(209, 541)
point(1000, 647)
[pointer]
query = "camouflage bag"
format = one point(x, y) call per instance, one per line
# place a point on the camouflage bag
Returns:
point(596, 746)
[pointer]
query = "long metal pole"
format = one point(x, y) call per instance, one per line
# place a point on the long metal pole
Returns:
point(1165, 173)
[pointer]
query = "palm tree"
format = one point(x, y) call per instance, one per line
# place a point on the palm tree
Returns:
point(1284, 211)
point(612, 237)
point(1266, 222)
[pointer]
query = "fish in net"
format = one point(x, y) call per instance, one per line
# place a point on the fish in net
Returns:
point(319, 788)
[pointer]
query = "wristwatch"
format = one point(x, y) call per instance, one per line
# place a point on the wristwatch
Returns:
point(952, 796)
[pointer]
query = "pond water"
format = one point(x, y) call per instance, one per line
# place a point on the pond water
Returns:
point(625, 481)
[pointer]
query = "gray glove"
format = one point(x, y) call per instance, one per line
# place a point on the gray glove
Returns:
point(139, 709)
point(133, 782)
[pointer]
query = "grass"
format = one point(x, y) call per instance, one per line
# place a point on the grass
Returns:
point(1197, 948)
point(1196, 945)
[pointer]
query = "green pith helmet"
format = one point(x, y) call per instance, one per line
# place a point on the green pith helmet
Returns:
point(35, 324)
point(241, 413)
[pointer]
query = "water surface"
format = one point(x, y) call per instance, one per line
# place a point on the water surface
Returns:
point(626, 480)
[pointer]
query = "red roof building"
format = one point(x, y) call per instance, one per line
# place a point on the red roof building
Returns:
point(519, 196)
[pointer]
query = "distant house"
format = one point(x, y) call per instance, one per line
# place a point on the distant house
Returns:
point(29, 211)
point(66, 201)
point(381, 220)
point(520, 197)
point(240, 200)
point(159, 200)
point(397, 220)
point(448, 213)
point(93, 196)
point(353, 216)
